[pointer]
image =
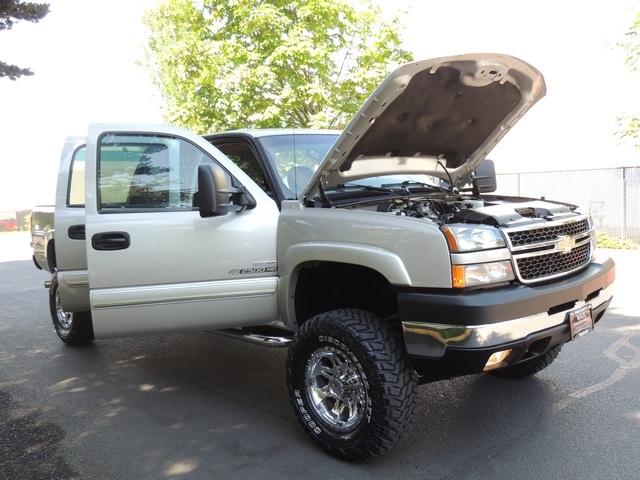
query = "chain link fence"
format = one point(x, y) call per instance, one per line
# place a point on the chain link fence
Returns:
point(611, 195)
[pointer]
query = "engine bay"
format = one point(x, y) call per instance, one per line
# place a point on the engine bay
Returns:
point(443, 207)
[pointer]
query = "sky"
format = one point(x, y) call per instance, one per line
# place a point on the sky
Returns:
point(85, 56)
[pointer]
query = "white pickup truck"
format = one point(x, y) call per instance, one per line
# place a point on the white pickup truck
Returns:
point(378, 255)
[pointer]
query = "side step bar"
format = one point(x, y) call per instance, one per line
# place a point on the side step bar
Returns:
point(272, 341)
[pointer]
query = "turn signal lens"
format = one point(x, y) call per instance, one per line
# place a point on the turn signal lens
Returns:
point(481, 274)
point(458, 276)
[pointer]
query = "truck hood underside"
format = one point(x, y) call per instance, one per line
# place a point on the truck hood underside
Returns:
point(436, 116)
point(431, 115)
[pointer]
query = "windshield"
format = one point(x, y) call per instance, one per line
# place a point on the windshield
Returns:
point(296, 157)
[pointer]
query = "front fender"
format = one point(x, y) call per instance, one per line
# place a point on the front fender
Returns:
point(406, 251)
point(382, 261)
point(387, 263)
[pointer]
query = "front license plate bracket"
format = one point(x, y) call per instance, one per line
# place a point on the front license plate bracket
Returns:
point(580, 321)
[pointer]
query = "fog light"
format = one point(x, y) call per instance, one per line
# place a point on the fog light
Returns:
point(497, 360)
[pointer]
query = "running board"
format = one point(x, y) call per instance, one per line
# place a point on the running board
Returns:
point(255, 338)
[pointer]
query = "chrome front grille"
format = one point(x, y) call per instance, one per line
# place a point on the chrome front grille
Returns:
point(552, 250)
point(550, 233)
point(540, 267)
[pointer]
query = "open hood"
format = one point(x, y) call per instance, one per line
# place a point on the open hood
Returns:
point(438, 117)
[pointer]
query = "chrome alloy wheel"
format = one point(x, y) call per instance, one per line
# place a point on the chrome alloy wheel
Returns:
point(336, 389)
point(65, 319)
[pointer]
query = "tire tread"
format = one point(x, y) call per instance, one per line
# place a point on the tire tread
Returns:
point(385, 351)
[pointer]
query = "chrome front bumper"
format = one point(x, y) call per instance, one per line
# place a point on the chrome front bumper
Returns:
point(432, 339)
point(486, 319)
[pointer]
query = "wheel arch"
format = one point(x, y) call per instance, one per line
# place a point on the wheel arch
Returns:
point(320, 286)
point(51, 255)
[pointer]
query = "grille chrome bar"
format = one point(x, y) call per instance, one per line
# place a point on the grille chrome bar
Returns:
point(552, 250)
point(550, 264)
point(525, 238)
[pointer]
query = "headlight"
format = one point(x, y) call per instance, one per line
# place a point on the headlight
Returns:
point(467, 238)
point(481, 274)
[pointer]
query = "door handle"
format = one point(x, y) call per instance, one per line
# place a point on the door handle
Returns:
point(108, 241)
point(76, 232)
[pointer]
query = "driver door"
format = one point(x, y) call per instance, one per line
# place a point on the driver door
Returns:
point(154, 264)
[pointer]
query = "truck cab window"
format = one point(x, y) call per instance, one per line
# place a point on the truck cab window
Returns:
point(149, 172)
point(243, 156)
point(75, 192)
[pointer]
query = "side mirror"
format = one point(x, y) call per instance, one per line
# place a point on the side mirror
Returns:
point(484, 179)
point(213, 191)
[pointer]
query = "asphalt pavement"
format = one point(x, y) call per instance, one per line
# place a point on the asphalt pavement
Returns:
point(201, 406)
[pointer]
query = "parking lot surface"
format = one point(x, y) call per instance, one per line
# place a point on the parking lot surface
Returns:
point(201, 406)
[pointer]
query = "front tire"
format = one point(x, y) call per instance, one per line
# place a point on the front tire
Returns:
point(73, 328)
point(349, 383)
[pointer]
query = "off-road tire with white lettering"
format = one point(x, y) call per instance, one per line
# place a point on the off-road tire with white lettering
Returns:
point(73, 328)
point(349, 383)
point(529, 367)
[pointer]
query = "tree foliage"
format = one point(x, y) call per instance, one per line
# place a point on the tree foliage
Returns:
point(11, 11)
point(630, 125)
point(632, 45)
point(224, 64)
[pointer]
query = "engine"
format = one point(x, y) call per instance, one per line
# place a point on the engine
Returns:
point(497, 211)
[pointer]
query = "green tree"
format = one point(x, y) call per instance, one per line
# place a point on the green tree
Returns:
point(630, 125)
point(224, 64)
point(12, 11)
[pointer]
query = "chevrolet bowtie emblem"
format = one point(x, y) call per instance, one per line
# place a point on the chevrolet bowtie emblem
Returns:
point(565, 244)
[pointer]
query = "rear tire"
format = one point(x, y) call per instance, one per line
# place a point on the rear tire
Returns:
point(349, 383)
point(529, 367)
point(73, 328)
